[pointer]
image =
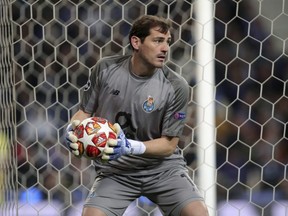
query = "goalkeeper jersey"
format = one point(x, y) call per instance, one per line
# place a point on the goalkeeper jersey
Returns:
point(145, 107)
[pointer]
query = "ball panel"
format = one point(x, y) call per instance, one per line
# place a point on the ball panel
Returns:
point(99, 140)
point(80, 147)
point(79, 131)
point(92, 127)
point(92, 151)
point(99, 120)
point(112, 135)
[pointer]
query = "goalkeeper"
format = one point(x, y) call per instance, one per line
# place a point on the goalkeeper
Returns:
point(148, 102)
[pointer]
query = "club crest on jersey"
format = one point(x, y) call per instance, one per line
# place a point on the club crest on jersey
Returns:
point(148, 105)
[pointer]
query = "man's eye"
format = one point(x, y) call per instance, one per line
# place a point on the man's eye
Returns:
point(160, 41)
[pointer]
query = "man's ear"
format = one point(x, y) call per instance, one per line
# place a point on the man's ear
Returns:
point(135, 42)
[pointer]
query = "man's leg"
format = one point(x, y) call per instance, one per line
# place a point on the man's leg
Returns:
point(195, 208)
point(110, 195)
point(89, 211)
point(175, 193)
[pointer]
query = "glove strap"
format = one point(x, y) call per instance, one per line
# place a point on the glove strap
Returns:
point(137, 147)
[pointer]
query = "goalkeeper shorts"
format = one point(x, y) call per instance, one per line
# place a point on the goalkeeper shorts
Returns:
point(170, 190)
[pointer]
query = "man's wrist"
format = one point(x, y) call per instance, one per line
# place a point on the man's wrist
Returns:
point(137, 147)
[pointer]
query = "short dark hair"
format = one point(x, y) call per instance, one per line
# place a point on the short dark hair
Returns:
point(141, 27)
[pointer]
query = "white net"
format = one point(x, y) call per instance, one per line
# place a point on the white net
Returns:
point(56, 44)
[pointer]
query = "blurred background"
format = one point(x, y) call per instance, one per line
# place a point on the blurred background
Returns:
point(48, 49)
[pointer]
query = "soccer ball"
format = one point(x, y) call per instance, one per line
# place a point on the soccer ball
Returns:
point(92, 134)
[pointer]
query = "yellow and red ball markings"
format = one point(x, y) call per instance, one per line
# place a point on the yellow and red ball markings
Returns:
point(98, 138)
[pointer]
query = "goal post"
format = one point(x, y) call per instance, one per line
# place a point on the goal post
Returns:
point(205, 91)
point(8, 174)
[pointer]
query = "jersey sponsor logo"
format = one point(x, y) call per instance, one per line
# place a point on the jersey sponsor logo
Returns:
point(180, 115)
point(149, 104)
point(87, 86)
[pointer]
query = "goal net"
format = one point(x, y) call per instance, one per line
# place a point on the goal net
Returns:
point(48, 49)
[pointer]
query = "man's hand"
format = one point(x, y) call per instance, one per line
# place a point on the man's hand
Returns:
point(71, 138)
point(122, 146)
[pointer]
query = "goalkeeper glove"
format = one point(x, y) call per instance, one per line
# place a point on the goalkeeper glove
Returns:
point(122, 146)
point(71, 139)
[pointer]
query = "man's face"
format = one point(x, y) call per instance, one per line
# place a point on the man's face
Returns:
point(153, 51)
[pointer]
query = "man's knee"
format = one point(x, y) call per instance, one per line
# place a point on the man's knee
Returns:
point(89, 211)
point(195, 208)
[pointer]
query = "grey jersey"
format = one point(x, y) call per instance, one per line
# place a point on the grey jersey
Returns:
point(145, 107)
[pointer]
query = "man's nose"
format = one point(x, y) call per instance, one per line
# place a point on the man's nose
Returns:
point(165, 47)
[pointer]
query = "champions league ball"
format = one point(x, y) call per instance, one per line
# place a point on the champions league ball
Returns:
point(92, 134)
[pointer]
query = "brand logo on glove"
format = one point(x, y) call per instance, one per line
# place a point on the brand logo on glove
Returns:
point(127, 144)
